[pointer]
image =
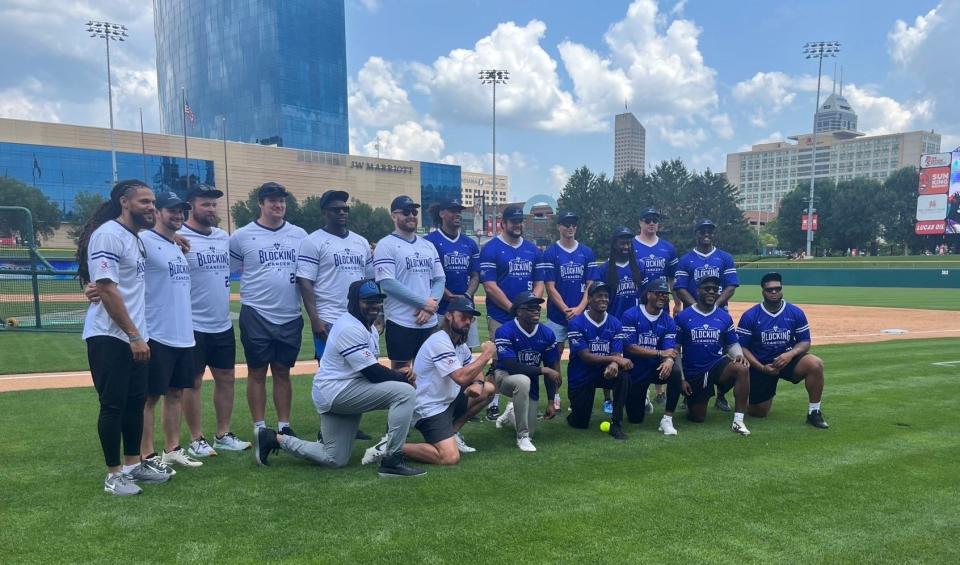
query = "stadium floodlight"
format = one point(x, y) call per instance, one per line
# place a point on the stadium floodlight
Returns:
point(494, 77)
point(816, 50)
point(109, 32)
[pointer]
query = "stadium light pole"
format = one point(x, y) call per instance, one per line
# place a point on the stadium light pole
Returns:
point(494, 77)
point(816, 50)
point(109, 32)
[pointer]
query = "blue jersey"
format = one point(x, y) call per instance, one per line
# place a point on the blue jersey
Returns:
point(535, 349)
point(605, 338)
point(694, 266)
point(657, 332)
point(459, 257)
point(570, 271)
point(659, 260)
point(702, 338)
point(626, 294)
point(514, 269)
point(767, 334)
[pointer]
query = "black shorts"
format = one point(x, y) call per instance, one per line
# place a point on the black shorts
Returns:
point(764, 387)
point(265, 342)
point(170, 367)
point(700, 391)
point(116, 376)
point(218, 350)
point(403, 343)
point(582, 398)
point(439, 427)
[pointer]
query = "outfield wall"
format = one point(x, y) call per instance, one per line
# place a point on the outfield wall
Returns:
point(909, 278)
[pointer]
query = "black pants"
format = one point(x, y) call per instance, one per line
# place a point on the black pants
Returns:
point(637, 395)
point(121, 386)
point(582, 399)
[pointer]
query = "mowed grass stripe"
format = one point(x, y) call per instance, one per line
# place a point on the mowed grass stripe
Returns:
point(869, 489)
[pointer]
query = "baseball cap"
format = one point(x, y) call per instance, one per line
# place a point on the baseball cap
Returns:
point(169, 199)
point(269, 189)
point(513, 213)
point(773, 276)
point(657, 285)
point(451, 204)
point(704, 223)
point(402, 202)
point(204, 191)
point(370, 291)
point(331, 195)
point(462, 304)
point(567, 217)
point(525, 297)
point(709, 278)
point(622, 231)
point(647, 212)
point(597, 287)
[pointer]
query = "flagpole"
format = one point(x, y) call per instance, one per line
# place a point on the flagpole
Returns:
point(183, 116)
point(143, 147)
point(226, 175)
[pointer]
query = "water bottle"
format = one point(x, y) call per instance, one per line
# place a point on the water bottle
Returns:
point(556, 402)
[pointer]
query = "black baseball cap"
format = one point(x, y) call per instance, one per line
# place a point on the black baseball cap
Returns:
point(709, 278)
point(331, 195)
point(704, 223)
point(370, 291)
point(453, 203)
point(567, 218)
point(525, 297)
point(597, 287)
point(203, 191)
point(648, 212)
point(657, 285)
point(402, 202)
point(269, 189)
point(462, 304)
point(169, 199)
point(622, 231)
point(513, 213)
point(774, 276)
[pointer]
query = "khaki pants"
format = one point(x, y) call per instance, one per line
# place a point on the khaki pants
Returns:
point(517, 387)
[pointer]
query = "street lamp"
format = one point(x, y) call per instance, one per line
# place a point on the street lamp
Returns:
point(109, 32)
point(816, 50)
point(494, 77)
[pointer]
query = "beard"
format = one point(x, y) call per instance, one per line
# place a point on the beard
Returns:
point(208, 221)
point(143, 220)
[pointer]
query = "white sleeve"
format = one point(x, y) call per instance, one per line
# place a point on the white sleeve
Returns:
point(368, 264)
point(103, 256)
point(384, 265)
point(308, 260)
point(236, 254)
point(353, 344)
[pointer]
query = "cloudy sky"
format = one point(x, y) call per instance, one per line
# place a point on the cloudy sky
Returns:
point(705, 77)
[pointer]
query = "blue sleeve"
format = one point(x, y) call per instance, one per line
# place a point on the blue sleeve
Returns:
point(745, 327)
point(550, 270)
point(474, 257)
point(488, 263)
point(578, 341)
point(504, 344)
point(802, 331)
point(599, 271)
point(670, 270)
point(670, 335)
point(539, 267)
point(729, 276)
point(629, 321)
point(682, 273)
point(730, 334)
point(681, 330)
point(591, 268)
point(616, 345)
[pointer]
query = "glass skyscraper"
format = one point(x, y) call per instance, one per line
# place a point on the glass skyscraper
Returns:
point(275, 72)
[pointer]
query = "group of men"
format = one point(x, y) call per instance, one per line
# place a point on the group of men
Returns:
point(149, 258)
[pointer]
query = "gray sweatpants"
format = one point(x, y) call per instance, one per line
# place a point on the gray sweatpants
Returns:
point(339, 425)
point(517, 387)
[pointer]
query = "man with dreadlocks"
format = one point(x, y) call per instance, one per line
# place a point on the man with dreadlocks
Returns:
point(111, 255)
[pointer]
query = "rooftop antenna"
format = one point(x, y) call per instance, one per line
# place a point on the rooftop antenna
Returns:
point(624, 104)
point(834, 78)
point(841, 80)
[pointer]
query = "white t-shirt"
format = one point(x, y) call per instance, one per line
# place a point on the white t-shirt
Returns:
point(114, 253)
point(332, 263)
point(209, 260)
point(435, 361)
point(168, 292)
point(267, 261)
point(413, 264)
point(351, 347)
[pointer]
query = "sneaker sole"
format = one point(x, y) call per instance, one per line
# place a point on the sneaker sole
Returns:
point(395, 476)
point(115, 493)
point(234, 449)
point(193, 453)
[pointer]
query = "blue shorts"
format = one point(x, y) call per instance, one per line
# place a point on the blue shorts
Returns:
point(318, 345)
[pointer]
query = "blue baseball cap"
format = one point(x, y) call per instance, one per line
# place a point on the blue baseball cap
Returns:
point(622, 231)
point(453, 203)
point(370, 291)
point(333, 195)
point(525, 297)
point(462, 304)
point(270, 189)
point(705, 223)
point(597, 287)
point(402, 202)
point(709, 278)
point(568, 218)
point(648, 212)
point(513, 213)
point(169, 199)
point(657, 285)
point(203, 191)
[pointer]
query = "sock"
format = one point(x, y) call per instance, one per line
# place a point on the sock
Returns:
point(128, 468)
point(738, 417)
point(814, 406)
point(495, 402)
point(112, 475)
point(281, 425)
point(259, 424)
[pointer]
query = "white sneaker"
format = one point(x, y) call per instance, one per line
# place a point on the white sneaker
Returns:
point(179, 457)
point(376, 453)
point(200, 448)
point(666, 426)
point(156, 462)
point(648, 406)
point(120, 485)
point(230, 442)
point(508, 417)
point(524, 443)
point(462, 446)
point(740, 428)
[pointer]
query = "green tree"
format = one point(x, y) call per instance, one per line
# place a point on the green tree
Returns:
point(46, 213)
point(84, 205)
point(899, 210)
point(372, 223)
point(792, 208)
point(851, 217)
point(249, 210)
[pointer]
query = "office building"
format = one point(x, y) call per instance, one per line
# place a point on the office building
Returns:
point(629, 145)
point(261, 71)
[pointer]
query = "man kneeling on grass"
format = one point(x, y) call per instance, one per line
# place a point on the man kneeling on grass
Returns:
point(349, 382)
point(450, 385)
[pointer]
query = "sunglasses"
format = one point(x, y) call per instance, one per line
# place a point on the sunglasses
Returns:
point(773, 289)
point(531, 307)
point(409, 212)
point(338, 209)
point(710, 289)
point(651, 220)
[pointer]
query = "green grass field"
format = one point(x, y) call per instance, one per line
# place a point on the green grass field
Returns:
point(879, 487)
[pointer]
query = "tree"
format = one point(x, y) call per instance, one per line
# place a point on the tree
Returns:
point(249, 210)
point(851, 218)
point(84, 205)
point(899, 210)
point(793, 206)
point(46, 213)
point(372, 223)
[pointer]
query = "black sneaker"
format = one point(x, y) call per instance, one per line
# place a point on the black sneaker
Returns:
point(493, 412)
point(617, 432)
point(395, 466)
point(265, 443)
point(816, 420)
point(363, 436)
point(287, 431)
point(721, 404)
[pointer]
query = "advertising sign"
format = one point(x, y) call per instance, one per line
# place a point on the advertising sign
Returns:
point(935, 160)
point(932, 227)
point(935, 180)
point(803, 222)
point(931, 207)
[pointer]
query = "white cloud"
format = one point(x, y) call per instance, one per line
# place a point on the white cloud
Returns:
point(376, 98)
point(407, 141)
point(507, 163)
point(879, 114)
point(771, 138)
point(769, 93)
point(372, 6)
point(558, 177)
point(722, 126)
point(904, 40)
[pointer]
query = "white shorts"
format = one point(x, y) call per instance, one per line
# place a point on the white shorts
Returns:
point(557, 329)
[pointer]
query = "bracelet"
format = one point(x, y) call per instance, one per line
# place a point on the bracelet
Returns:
point(659, 354)
point(135, 338)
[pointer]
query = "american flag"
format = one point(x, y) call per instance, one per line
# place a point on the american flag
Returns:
point(189, 113)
